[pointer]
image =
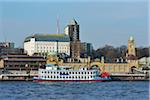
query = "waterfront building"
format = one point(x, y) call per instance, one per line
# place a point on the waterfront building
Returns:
point(8, 48)
point(144, 61)
point(20, 62)
point(7, 44)
point(45, 43)
point(86, 49)
point(72, 30)
point(6, 51)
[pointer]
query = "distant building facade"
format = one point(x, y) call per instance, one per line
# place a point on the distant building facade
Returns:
point(20, 62)
point(72, 30)
point(86, 49)
point(6, 51)
point(8, 48)
point(45, 43)
point(7, 45)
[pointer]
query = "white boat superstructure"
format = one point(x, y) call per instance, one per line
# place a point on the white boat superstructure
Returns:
point(66, 73)
point(55, 73)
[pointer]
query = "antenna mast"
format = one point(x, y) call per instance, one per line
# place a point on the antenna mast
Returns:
point(58, 27)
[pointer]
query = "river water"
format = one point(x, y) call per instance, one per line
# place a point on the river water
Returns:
point(127, 90)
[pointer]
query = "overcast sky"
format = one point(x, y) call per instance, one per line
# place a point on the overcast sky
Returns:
point(101, 21)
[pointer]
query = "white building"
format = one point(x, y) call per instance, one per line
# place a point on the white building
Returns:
point(45, 43)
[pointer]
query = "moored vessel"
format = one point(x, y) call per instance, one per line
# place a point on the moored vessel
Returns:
point(54, 73)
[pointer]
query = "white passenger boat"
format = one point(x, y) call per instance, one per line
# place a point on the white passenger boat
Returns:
point(53, 73)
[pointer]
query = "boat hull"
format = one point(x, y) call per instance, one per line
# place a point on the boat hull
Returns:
point(38, 80)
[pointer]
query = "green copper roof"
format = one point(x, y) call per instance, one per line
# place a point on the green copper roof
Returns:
point(49, 37)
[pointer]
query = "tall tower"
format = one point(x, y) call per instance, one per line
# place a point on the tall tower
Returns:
point(72, 29)
point(131, 47)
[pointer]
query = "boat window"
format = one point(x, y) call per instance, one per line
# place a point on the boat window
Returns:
point(48, 72)
point(45, 76)
point(57, 72)
point(79, 72)
point(57, 76)
point(69, 76)
point(45, 71)
point(42, 71)
point(76, 72)
point(54, 76)
point(88, 72)
point(82, 72)
point(91, 72)
point(63, 77)
point(76, 77)
point(48, 76)
point(72, 72)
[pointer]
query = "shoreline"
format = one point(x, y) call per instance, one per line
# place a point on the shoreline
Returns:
point(114, 80)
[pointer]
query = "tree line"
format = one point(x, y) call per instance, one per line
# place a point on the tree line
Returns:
point(111, 53)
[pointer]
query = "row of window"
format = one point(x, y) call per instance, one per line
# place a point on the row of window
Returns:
point(68, 72)
point(46, 47)
point(71, 77)
point(61, 51)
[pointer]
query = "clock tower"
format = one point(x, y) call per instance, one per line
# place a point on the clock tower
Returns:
point(131, 47)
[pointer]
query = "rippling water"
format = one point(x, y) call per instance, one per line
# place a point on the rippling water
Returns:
point(74, 91)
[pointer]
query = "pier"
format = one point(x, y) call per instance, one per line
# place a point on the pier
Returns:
point(114, 76)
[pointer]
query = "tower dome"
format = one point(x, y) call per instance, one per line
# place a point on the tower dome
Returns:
point(131, 38)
